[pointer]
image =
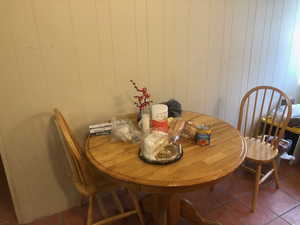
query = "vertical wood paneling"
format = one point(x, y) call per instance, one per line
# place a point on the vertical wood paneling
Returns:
point(294, 75)
point(10, 76)
point(238, 36)
point(216, 37)
point(107, 60)
point(78, 55)
point(182, 32)
point(227, 40)
point(266, 40)
point(247, 51)
point(293, 67)
point(83, 18)
point(155, 27)
point(141, 21)
point(198, 54)
point(170, 47)
point(285, 41)
point(274, 41)
point(256, 50)
point(124, 44)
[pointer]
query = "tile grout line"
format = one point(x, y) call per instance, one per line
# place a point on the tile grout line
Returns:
point(285, 220)
point(274, 220)
point(278, 215)
point(290, 195)
point(290, 210)
point(244, 204)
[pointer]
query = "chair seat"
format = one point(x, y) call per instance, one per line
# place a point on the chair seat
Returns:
point(260, 151)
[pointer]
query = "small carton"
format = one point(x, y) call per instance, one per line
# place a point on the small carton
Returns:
point(202, 136)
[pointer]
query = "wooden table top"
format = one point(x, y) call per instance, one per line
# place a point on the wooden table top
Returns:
point(199, 165)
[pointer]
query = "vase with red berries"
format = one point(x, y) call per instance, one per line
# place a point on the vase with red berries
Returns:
point(142, 100)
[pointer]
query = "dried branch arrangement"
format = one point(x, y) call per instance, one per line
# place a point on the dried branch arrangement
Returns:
point(143, 100)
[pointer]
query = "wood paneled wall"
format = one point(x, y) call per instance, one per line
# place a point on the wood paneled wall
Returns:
point(78, 55)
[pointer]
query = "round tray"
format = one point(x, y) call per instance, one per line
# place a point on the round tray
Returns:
point(161, 162)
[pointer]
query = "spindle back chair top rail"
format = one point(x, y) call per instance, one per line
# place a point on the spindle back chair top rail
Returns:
point(265, 96)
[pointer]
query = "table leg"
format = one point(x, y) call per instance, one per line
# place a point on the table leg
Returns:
point(166, 209)
point(191, 214)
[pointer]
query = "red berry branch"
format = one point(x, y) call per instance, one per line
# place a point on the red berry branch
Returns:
point(143, 100)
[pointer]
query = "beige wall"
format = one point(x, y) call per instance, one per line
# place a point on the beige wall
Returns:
point(78, 55)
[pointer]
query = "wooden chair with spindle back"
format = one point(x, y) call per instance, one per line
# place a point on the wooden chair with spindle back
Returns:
point(263, 119)
point(88, 181)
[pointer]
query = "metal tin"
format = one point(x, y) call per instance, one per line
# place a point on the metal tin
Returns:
point(202, 136)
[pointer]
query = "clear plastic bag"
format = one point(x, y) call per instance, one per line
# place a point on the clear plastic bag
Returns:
point(124, 130)
point(176, 128)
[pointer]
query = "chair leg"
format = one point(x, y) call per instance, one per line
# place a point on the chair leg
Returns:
point(137, 206)
point(117, 201)
point(101, 206)
point(82, 201)
point(256, 187)
point(275, 173)
point(90, 211)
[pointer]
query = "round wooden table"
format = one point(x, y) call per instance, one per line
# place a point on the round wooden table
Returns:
point(200, 166)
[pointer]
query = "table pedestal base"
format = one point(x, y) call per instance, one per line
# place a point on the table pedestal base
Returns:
point(166, 209)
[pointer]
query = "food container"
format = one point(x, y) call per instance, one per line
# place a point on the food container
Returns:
point(159, 113)
point(202, 136)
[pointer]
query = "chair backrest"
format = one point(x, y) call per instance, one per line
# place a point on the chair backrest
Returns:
point(264, 110)
point(76, 157)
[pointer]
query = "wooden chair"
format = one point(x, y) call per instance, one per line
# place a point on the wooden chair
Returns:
point(263, 116)
point(89, 182)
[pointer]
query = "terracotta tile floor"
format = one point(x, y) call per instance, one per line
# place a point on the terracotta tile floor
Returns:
point(7, 215)
point(229, 203)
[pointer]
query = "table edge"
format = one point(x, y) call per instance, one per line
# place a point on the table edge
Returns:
point(183, 184)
